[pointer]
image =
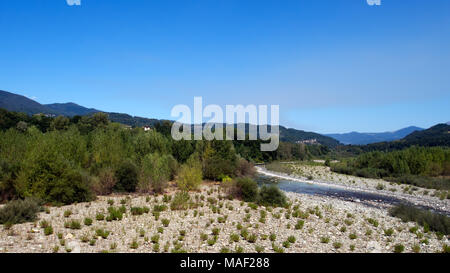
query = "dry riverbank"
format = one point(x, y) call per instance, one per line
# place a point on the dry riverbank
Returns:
point(311, 224)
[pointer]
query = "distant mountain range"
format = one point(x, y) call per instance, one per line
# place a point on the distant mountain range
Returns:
point(18, 103)
point(438, 135)
point(355, 138)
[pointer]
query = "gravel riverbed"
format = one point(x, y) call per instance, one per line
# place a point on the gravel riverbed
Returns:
point(312, 224)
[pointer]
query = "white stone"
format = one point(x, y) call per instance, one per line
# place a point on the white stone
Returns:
point(74, 246)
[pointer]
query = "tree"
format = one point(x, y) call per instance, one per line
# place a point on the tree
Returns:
point(60, 123)
point(219, 159)
point(190, 175)
point(126, 177)
point(155, 173)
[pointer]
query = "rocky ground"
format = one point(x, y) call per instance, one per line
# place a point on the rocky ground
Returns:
point(311, 224)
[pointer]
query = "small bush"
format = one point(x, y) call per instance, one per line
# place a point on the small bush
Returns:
point(252, 238)
point(291, 239)
point(100, 217)
point(388, 232)
point(105, 182)
point(102, 233)
point(190, 177)
point(271, 196)
point(273, 237)
point(300, 224)
point(399, 248)
point(234, 238)
point(259, 249)
point(134, 244)
point(215, 231)
point(19, 211)
point(155, 238)
point(165, 222)
point(180, 201)
point(137, 211)
point(247, 189)
point(380, 187)
point(87, 221)
point(48, 230)
point(115, 214)
point(74, 224)
point(373, 222)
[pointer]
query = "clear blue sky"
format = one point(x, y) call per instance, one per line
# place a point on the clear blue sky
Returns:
point(332, 66)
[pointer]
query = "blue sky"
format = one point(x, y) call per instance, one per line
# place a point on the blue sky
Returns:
point(332, 66)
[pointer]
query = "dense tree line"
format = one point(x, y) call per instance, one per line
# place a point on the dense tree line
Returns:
point(65, 160)
point(424, 166)
point(62, 160)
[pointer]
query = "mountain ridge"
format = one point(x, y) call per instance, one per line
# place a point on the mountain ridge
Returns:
point(357, 138)
point(71, 109)
point(18, 103)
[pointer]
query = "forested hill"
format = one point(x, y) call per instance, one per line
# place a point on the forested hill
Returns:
point(294, 135)
point(22, 104)
point(18, 103)
point(71, 109)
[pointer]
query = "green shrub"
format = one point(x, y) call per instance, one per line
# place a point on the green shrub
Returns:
point(259, 249)
point(134, 244)
point(127, 177)
point(74, 224)
point(247, 189)
point(137, 211)
point(271, 196)
point(87, 221)
point(234, 238)
point(291, 239)
point(165, 222)
point(399, 248)
point(20, 211)
point(180, 201)
point(337, 245)
point(389, 232)
point(155, 238)
point(435, 221)
point(373, 222)
point(50, 176)
point(115, 214)
point(100, 217)
point(102, 233)
point(300, 224)
point(48, 230)
point(155, 172)
point(190, 177)
point(215, 231)
point(273, 237)
point(252, 238)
